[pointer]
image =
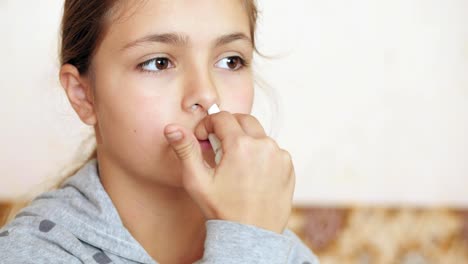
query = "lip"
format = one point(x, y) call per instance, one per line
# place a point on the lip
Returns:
point(205, 145)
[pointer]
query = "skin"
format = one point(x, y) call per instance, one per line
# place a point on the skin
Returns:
point(163, 184)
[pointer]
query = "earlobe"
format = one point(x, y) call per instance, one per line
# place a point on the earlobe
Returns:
point(78, 91)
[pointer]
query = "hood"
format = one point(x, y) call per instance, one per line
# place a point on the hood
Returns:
point(83, 207)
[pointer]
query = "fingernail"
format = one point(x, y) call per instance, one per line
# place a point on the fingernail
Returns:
point(174, 136)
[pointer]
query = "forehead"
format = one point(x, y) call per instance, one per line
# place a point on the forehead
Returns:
point(201, 20)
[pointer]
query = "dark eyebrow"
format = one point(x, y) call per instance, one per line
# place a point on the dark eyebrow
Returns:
point(177, 39)
point(166, 38)
point(226, 39)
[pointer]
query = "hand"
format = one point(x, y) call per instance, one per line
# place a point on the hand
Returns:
point(254, 181)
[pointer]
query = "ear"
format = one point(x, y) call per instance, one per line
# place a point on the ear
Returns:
point(79, 93)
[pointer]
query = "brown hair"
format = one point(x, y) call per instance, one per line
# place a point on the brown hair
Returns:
point(85, 22)
point(84, 25)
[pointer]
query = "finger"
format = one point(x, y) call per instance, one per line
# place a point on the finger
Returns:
point(250, 125)
point(223, 124)
point(196, 174)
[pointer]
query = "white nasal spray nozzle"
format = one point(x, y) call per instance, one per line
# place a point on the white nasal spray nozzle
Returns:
point(214, 140)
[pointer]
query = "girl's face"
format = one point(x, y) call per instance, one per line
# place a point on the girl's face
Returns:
point(154, 64)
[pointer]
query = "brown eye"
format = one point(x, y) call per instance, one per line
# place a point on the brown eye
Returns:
point(156, 64)
point(232, 63)
point(162, 63)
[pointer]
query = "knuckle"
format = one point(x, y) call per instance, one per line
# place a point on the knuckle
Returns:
point(286, 156)
point(249, 123)
point(270, 144)
point(184, 151)
point(292, 180)
point(246, 119)
point(219, 118)
point(222, 115)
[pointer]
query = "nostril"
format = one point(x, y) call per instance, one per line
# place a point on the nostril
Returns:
point(195, 107)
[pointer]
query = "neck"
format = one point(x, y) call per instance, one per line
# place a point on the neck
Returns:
point(163, 219)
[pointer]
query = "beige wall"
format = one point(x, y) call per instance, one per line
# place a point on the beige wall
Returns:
point(374, 98)
point(39, 132)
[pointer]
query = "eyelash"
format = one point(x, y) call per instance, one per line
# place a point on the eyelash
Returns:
point(244, 63)
point(146, 63)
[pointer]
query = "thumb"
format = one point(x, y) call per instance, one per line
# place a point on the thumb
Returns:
point(196, 175)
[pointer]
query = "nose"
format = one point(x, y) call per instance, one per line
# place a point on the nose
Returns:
point(199, 90)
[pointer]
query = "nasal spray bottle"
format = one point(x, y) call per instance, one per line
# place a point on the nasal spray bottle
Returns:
point(214, 140)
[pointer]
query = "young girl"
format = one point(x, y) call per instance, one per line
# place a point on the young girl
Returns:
point(143, 74)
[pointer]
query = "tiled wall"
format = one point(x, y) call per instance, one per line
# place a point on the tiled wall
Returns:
point(384, 236)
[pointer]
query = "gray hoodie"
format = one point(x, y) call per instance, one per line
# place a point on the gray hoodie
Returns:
point(79, 224)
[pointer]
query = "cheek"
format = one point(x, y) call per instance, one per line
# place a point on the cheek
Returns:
point(237, 94)
point(240, 101)
point(134, 117)
point(151, 115)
